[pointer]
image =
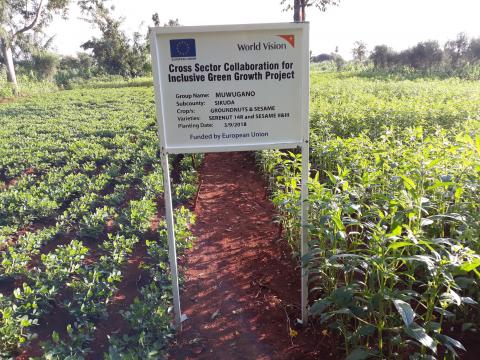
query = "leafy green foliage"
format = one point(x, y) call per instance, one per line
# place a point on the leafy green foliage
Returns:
point(394, 220)
point(80, 183)
point(114, 53)
point(149, 318)
point(73, 347)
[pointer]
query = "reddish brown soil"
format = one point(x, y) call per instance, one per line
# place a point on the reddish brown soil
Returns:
point(468, 339)
point(8, 285)
point(241, 293)
point(7, 100)
point(57, 323)
point(12, 182)
point(19, 233)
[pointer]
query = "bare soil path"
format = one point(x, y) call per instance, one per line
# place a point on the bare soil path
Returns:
point(241, 291)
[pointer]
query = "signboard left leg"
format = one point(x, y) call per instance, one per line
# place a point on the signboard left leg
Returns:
point(172, 248)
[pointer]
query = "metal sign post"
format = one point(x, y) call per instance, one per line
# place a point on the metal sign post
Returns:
point(172, 248)
point(304, 231)
point(231, 88)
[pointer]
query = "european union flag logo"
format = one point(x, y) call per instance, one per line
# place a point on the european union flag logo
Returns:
point(182, 48)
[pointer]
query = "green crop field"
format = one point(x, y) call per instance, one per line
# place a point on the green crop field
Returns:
point(80, 184)
point(395, 212)
point(394, 220)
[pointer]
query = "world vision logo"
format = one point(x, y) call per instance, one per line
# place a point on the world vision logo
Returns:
point(269, 45)
point(289, 38)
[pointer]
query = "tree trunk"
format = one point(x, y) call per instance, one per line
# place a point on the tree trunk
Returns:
point(302, 10)
point(299, 10)
point(7, 55)
point(296, 11)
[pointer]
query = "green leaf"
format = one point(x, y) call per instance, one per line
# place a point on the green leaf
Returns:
point(338, 221)
point(365, 330)
point(452, 216)
point(331, 314)
point(468, 300)
point(418, 333)
point(455, 297)
point(319, 306)
point(293, 183)
point(343, 256)
point(432, 326)
point(427, 260)
point(438, 184)
point(426, 222)
point(469, 266)
point(343, 297)
point(443, 312)
point(400, 244)
point(448, 340)
point(360, 354)
point(468, 326)
point(432, 163)
point(408, 183)
point(397, 231)
point(458, 193)
point(331, 177)
point(405, 311)
point(25, 321)
point(55, 337)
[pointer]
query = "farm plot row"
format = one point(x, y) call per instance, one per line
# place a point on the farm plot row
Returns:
point(395, 213)
point(80, 193)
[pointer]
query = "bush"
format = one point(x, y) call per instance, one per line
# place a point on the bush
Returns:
point(45, 65)
point(27, 85)
point(5, 89)
point(75, 68)
point(324, 66)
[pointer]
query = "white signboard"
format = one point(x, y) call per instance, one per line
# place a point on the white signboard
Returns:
point(236, 87)
point(228, 88)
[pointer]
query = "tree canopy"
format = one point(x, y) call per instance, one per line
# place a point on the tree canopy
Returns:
point(299, 7)
point(113, 52)
point(18, 17)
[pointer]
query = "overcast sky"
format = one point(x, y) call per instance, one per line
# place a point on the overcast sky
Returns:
point(397, 23)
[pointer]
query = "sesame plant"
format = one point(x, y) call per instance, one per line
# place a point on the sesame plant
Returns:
point(394, 213)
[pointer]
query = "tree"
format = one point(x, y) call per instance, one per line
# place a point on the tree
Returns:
point(474, 50)
point(299, 7)
point(321, 57)
point(45, 64)
point(114, 53)
point(156, 19)
point(169, 23)
point(383, 57)
point(359, 51)
point(425, 55)
point(338, 59)
point(18, 17)
point(172, 23)
point(456, 50)
point(82, 65)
